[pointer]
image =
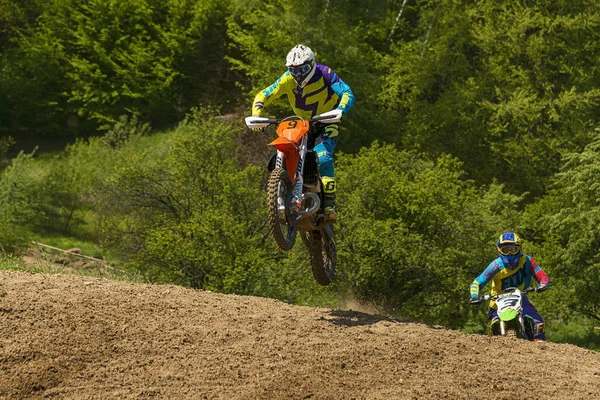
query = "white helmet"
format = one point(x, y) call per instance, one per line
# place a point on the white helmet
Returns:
point(301, 64)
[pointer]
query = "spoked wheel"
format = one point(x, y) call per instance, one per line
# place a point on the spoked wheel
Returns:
point(305, 235)
point(322, 256)
point(279, 196)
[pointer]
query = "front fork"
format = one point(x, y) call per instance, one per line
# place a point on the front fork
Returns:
point(502, 328)
point(521, 324)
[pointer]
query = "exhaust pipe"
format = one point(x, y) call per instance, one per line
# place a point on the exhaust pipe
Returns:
point(314, 207)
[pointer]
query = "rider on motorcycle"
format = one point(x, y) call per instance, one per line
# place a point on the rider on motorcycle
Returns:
point(512, 269)
point(312, 89)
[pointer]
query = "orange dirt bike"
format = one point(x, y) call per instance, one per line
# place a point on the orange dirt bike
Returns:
point(295, 198)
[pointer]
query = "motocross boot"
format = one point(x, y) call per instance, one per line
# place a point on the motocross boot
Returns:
point(330, 204)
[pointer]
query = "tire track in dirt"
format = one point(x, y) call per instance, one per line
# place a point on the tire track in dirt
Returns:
point(73, 337)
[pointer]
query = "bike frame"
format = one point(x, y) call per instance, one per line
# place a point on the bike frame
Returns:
point(287, 195)
point(291, 145)
point(510, 310)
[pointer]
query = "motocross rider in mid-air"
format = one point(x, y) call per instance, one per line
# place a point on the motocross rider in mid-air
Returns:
point(312, 89)
point(512, 269)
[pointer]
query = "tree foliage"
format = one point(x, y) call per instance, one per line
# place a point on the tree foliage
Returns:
point(188, 214)
point(415, 233)
point(20, 203)
point(568, 224)
point(96, 60)
point(497, 85)
point(471, 118)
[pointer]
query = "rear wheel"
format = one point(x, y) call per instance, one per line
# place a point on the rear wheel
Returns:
point(305, 235)
point(279, 197)
point(322, 257)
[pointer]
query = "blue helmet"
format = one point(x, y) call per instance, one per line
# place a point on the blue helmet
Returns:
point(509, 248)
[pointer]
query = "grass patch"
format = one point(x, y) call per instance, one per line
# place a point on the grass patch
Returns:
point(580, 333)
point(61, 242)
point(46, 260)
point(11, 263)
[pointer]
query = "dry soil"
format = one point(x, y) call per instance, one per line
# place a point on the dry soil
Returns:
point(73, 337)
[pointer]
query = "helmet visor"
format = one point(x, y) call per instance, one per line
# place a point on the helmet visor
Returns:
point(300, 70)
point(509, 250)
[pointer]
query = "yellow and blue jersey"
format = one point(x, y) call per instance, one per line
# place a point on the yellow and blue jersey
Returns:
point(324, 92)
point(503, 277)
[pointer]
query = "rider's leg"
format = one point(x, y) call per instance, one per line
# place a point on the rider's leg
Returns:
point(529, 310)
point(325, 146)
point(330, 197)
point(494, 321)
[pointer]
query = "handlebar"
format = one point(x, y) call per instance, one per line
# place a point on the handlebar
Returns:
point(329, 117)
point(487, 297)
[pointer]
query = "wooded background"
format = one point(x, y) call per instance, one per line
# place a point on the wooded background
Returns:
point(471, 118)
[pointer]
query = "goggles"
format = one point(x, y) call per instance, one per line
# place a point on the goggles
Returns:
point(509, 250)
point(300, 69)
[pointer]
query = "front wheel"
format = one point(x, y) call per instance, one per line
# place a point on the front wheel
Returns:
point(322, 256)
point(279, 197)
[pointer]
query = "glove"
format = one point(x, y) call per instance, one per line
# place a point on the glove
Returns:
point(333, 116)
point(250, 121)
point(474, 300)
point(541, 288)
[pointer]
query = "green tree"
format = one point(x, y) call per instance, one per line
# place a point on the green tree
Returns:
point(16, 15)
point(96, 60)
point(187, 214)
point(505, 87)
point(567, 224)
point(20, 202)
point(414, 234)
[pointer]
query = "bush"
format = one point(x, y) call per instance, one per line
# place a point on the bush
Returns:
point(20, 201)
point(414, 233)
point(186, 213)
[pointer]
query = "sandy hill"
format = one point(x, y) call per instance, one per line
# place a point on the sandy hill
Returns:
point(73, 337)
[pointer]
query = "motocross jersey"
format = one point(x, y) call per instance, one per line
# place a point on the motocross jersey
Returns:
point(324, 92)
point(503, 277)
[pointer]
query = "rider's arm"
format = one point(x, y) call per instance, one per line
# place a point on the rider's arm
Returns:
point(340, 88)
point(475, 286)
point(539, 274)
point(269, 94)
point(483, 279)
point(344, 93)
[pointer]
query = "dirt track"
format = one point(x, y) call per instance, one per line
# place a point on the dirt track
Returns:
point(72, 337)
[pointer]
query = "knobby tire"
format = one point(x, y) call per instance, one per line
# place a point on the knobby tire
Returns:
point(279, 186)
point(322, 257)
